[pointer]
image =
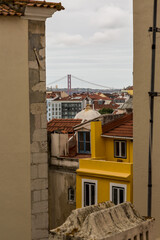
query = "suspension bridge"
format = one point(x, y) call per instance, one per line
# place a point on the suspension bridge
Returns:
point(69, 78)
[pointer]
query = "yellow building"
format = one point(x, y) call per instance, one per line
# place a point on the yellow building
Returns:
point(107, 175)
point(129, 90)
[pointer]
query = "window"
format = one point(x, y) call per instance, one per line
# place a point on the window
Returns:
point(120, 149)
point(70, 194)
point(89, 192)
point(84, 142)
point(118, 193)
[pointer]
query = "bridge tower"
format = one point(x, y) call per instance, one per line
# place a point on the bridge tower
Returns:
point(69, 84)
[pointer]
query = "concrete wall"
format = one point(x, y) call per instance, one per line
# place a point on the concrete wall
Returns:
point(62, 176)
point(15, 204)
point(143, 19)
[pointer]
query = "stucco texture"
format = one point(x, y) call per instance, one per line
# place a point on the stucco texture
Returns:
point(143, 19)
point(15, 206)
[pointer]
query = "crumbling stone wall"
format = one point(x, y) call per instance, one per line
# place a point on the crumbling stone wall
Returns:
point(38, 131)
point(105, 221)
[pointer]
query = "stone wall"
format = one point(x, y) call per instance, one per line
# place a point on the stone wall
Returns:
point(105, 221)
point(38, 131)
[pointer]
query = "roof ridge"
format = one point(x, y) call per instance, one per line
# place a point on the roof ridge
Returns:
point(116, 123)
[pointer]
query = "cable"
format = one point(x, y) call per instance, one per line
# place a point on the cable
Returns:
point(82, 80)
point(98, 85)
point(58, 80)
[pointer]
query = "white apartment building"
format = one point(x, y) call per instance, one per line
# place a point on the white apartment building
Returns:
point(63, 109)
point(53, 109)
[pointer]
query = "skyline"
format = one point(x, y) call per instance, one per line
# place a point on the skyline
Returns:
point(90, 40)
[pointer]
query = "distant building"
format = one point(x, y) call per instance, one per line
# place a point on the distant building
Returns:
point(128, 90)
point(127, 107)
point(87, 114)
point(68, 107)
point(64, 107)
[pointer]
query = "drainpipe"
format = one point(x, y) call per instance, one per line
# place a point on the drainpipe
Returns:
point(152, 94)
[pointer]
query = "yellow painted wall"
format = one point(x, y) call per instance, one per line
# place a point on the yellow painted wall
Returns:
point(103, 189)
point(130, 92)
point(97, 143)
point(109, 145)
point(104, 168)
point(15, 199)
point(104, 172)
point(103, 147)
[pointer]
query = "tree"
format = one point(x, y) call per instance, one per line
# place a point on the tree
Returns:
point(106, 110)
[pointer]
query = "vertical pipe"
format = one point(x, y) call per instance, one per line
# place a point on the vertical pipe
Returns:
point(152, 108)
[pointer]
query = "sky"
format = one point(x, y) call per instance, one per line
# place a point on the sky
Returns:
point(92, 40)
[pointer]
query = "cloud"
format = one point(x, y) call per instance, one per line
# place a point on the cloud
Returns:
point(64, 39)
point(91, 39)
point(76, 40)
point(105, 36)
point(110, 17)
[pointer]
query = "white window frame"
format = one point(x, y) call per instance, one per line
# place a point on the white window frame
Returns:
point(120, 186)
point(96, 189)
point(120, 148)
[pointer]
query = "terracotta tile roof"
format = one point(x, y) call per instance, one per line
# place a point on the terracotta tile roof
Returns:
point(51, 95)
point(122, 127)
point(93, 96)
point(63, 125)
point(16, 8)
point(97, 97)
point(112, 105)
point(130, 88)
point(70, 98)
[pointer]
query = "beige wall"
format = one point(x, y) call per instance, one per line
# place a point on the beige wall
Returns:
point(59, 144)
point(143, 15)
point(15, 209)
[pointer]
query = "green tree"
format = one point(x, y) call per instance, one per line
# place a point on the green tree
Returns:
point(105, 110)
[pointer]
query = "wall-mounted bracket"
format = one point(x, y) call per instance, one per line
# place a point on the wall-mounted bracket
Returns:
point(154, 94)
point(151, 29)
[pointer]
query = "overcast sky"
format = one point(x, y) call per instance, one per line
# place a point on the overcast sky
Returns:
point(92, 40)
